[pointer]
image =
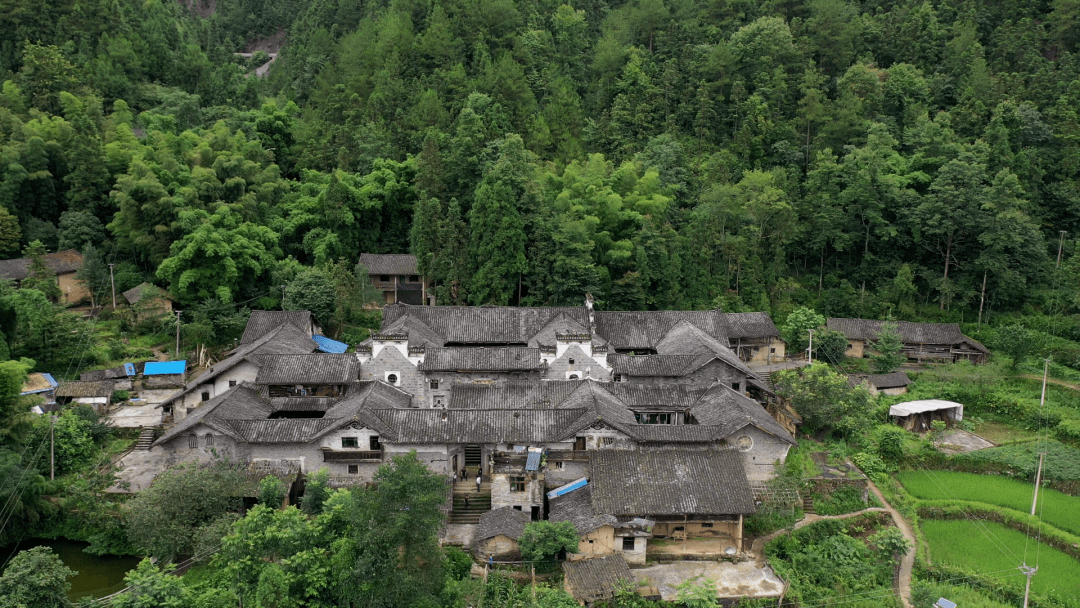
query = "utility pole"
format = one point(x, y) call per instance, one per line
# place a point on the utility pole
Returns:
point(178, 334)
point(1029, 572)
point(1061, 241)
point(982, 298)
point(52, 447)
point(810, 350)
point(112, 281)
point(282, 297)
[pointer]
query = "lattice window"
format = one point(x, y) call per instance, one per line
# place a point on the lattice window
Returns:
point(517, 484)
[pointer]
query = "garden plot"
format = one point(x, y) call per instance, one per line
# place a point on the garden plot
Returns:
point(962, 543)
point(1057, 509)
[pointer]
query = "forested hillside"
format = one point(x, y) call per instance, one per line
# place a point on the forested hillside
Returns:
point(864, 158)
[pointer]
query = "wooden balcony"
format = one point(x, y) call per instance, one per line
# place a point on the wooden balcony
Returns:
point(352, 455)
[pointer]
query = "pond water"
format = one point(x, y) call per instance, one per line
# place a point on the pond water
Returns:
point(97, 575)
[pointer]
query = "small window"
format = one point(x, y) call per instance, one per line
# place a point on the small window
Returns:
point(208, 440)
point(680, 529)
point(205, 396)
point(848, 347)
point(434, 384)
point(517, 484)
point(772, 350)
point(628, 543)
point(373, 443)
point(413, 278)
point(392, 378)
point(572, 377)
point(517, 507)
point(534, 512)
point(232, 383)
point(607, 441)
point(571, 361)
point(385, 278)
point(354, 469)
point(735, 385)
point(438, 402)
point(590, 541)
point(558, 465)
point(706, 524)
point(350, 442)
point(193, 441)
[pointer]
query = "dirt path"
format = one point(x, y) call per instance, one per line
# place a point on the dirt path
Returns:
point(1052, 381)
point(908, 560)
point(906, 563)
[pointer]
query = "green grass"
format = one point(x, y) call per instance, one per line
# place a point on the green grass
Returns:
point(1057, 509)
point(999, 432)
point(1062, 462)
point(925, 594)
point(961, 543)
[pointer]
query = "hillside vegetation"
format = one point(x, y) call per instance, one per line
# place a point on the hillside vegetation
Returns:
point(861, 158)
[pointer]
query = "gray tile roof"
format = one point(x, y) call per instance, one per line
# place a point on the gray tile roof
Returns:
point(61, 262)
point(282, 340)
point(893, 380)
point(635, 394)
point(415, 330)
point(910, 333)
point(576, 507)
point(749, 325)
point(315, 368)
point(262, 322)
point(644, 330)
point(477, 426)
point(688, 339)
point(145, 291)
point(599, 406)
point(647, 482)
point(561, 324)
point(729, 410)
point(597, 579)
point(505, 521)
point(300, 404)
point(540, 394)
point(389, 263)
point(483, 324)
point(81, 388)
point(481, 359)
point(240, 402)
point(284, 430)
point(657, 365)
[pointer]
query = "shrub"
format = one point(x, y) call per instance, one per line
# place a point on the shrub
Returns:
point(118, 396)
point(543, 540)
point(891, 442)
point(272, 492)
point(316, 492)
point(458, 563)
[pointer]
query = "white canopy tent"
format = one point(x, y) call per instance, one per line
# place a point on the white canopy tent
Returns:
point(954, 410)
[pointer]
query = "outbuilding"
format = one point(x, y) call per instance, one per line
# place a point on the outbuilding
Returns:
point(499, 531)
point(918, 415)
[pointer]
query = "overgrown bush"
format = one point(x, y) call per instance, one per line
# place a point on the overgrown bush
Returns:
point(846, 499)
point(272, 492)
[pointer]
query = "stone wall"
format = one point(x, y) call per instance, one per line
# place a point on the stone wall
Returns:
point(760, 461)
point(411, 380)
point(533, 496)
point(499, 547)
point(597, 543)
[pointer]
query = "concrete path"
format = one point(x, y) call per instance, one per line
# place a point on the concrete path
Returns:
point(741, 579)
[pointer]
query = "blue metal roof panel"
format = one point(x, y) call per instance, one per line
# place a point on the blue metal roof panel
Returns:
point(570, 487)
point(129, 369)
point(533, 462)
point(159, 368)
point(330, 346)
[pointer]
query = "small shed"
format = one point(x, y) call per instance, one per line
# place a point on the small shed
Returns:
point(499, 531)
point(97, 394)
point(40, 384)
point(149, 299)
point(597, 579)
point(164, 374)
point(918, 415)
point(895, 383)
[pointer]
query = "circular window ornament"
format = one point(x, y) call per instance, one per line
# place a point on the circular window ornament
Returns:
point(744, 443)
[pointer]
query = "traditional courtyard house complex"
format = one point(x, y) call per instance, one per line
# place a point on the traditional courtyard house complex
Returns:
point(397, 276)
point(656, 419)
point(922, 341)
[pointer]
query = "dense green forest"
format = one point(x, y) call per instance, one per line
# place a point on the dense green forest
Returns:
point(863, 158)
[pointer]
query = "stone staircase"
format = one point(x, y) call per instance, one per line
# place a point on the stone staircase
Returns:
point(807, 504)
point(767, 377)
point(146, 438)
point(479, 502)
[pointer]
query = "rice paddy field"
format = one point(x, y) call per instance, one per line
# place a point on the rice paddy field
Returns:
point(961, 543)
point(1057, 509)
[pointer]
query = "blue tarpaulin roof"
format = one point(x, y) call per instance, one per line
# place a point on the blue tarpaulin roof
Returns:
point(159, 368)
point(129, 369)
point(570, 487)
point(330, 346)
point(533, 463)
